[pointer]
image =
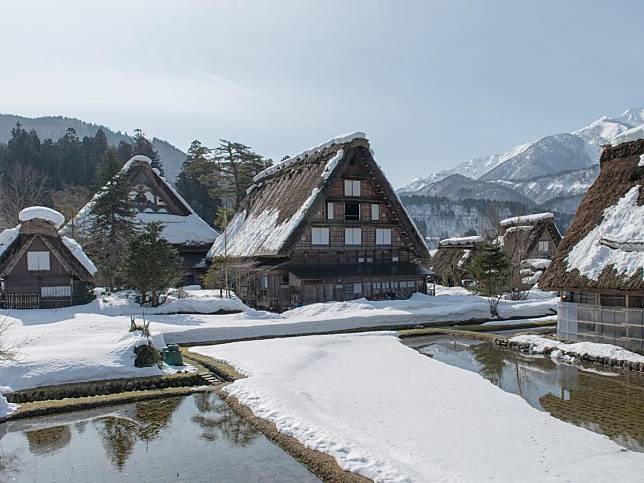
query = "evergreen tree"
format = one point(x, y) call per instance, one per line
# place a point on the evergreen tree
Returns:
point(152, 265)
point(142, 145)
point(70, 160)
point(112, 228)
point(490, 269)
point(195, 181)
point(24, 148)
point(124, 151)
point(93, 149)
point(107, 168)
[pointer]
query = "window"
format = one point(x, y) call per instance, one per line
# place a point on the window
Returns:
point(320, 235)
point(357, 288)
point(360, 259)
point(352, 211)
point(56, 292)
point(612, 300)
point(544, 246)
point(329, 210)
point(375, 212)
point(264, 282)
point(351, 187)
point(353, 236)
point(383, 236)
point(394, 259)
point(38, 261)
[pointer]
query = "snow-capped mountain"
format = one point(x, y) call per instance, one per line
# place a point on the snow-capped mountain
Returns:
point(549, 174)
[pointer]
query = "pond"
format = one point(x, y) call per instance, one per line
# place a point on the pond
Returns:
point(192, 438)
point(602, 399)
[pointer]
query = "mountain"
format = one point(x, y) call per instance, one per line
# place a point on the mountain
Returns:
point(549, 174)
point(55, 126)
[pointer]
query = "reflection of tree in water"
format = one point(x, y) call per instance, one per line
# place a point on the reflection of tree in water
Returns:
point(9, 463)
point(217, 420)
point(491, 360)
point(46, 440)
point(80, 426)
point(120, 435)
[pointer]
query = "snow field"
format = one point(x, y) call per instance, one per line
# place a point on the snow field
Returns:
point(386, 412)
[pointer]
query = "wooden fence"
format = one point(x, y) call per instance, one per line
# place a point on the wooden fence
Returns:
point(20, 301)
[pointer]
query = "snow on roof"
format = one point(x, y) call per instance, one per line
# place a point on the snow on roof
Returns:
point(536, 263)
point(42, 213)
point(259, 234)
point(640, 164)
point(7, 237)
point(298, 157)
point(621, 223)
point(466, 240)
point(79, 254)
point(514, 229)
point(177, 229)
point(534, 218)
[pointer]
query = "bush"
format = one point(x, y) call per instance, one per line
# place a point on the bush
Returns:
point(147, 356)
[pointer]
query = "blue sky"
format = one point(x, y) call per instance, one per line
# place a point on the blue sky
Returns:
point(432, 83)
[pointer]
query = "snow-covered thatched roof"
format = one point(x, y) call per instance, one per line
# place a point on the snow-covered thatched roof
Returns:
point(181, 225)
point(271, 216)
point(527, 219)
point(463, 242)
point(42, 213)
point(602, 248)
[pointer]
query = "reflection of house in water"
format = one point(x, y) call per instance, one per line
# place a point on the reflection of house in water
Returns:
point(46, 440)
point(219, 421)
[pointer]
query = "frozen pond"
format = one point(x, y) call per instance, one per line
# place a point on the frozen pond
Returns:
point(605, 400)
point(192, 438)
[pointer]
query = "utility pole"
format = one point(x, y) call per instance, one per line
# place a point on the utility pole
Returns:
point(226, 247)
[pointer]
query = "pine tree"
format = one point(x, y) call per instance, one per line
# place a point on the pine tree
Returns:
point(490, 270)
point(152, 265)
point(124, 151)
point(112, 227)
point(142, 145)
point(107, 168)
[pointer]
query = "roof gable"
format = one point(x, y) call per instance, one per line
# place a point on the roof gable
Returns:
point(285, 196)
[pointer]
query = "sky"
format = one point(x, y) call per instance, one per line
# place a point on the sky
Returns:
point(432, 83)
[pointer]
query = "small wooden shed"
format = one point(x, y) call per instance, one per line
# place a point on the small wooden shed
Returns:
point(39, 268)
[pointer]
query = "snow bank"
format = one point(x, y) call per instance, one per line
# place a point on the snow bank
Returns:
point(579, 349)
point(386, 412)
point(346, 138)
point(42, 213)
point(621, 222)
point(7, 237)
point(465, 240)
point(550, 319)
point(534, 218)
point(537, 263)
point(79, 254)
point(6, 408)
point(527, 308)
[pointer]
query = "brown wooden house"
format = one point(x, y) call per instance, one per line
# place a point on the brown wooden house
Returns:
point(156, 200)
point(530, 242)
point(452, 259)
point(322, 226)
point(599, 264)
point(39, 268)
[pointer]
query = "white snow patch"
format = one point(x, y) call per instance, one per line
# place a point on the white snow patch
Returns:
point(527, 219)
point(7, 237)
point(310, 151)
point(621, 223)
point(74, 247)
point(537, 263)
point(466, 240)
point(396, 415)
point(332, 164)
point(640, 164)
point(6, 408)
point(42, 213)
point(539, 344)
point(518, 228)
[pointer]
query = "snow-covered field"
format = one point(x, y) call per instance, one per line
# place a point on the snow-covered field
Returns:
point(391, 414)
point(91, 342)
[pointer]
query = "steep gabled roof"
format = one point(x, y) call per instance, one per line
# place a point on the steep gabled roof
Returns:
point(284, 196)
point(526, 230)
point(182, 226)
point(600, 250)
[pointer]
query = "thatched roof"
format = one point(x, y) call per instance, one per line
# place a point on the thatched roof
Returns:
point(521, 233)
point(181, 225)
point(274, 213)
point(599, 251)
point(454, 256)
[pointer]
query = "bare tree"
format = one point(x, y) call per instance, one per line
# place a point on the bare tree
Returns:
point(69, 202)
point(22, 186)
point(7, 351)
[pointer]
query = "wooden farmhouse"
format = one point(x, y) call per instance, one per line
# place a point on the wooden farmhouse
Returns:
point(598, 267)
point(156, 200)
point(321, 226)
point(530, 242)
point(452, 259)
point(39, 268)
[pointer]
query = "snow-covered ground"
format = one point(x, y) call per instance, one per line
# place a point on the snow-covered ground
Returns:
point(540, 344)
point(389, 413)
point(91, 342)
point(550, 319)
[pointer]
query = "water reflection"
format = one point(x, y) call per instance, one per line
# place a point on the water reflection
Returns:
point(606, 400)
point(194, 438)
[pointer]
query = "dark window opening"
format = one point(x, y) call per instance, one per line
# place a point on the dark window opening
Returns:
point(352, 211)
point(612, 300)
point(636, 301)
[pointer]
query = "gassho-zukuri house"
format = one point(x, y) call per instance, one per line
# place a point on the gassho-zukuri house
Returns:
point(155, 200)
point(530, 242)
point(39, 268)
point(599, 263)
point(452, 259)
point(324, 225)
